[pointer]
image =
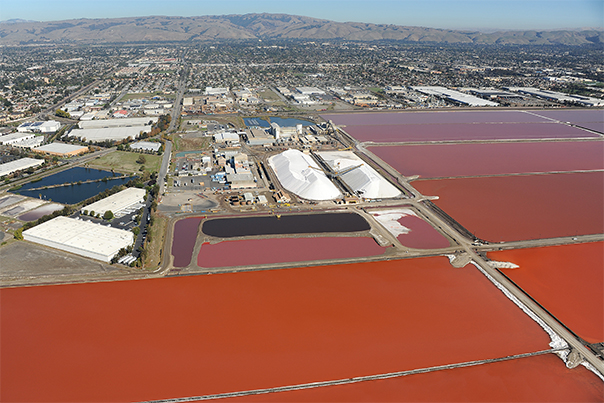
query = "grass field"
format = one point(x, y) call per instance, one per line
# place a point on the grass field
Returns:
point(269, 95)
point(124, 161)
point(154, 246)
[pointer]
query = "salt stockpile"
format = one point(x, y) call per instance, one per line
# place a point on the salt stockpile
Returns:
point(300, 174)
point(362, 178)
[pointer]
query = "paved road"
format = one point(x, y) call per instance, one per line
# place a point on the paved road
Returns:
point(163, 170)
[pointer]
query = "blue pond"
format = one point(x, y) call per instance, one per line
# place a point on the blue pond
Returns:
point(283, 122)
point(72, 194)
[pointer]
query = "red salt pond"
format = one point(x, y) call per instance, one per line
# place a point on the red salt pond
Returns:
point(566, 280)
point(460, 132)
point(410, 230)
point(198, 335)
point(185, 235)
point(279, 250)
point(406, 118)
point(492, 159)
point(541, 378)
point(512, 208)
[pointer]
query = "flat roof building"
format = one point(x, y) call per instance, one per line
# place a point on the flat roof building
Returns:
point(109, 133)
point(454, 96)
point(51, 126)
point(118, 202)
point(18, 165)
point(147, 146)
point(13, 138)
point(81, 237)
point(61, 150)
point(122, 122)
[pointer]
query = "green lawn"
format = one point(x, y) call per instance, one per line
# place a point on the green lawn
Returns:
point(126, 161)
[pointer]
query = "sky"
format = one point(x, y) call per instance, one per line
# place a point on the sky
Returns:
point(447, 14)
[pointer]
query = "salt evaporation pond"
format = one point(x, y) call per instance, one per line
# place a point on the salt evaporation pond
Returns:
point(566, 280)
point(183, 240)
point(514, 208)
point(542, 378)
point(250, 252)
point(462, 132)
point(285, 224)
point(41, 212)
point(574, 115)
point(71, 194)
point(493, 158)
point(410, 230)
point(435, 117)
point(197, 335)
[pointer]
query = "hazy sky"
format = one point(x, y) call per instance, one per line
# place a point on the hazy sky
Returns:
point(454, 14)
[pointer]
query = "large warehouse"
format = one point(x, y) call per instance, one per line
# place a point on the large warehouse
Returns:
point(18, 165)
point(109, 133)
point(362, 178)
point(300, 174)
point(61, 150)
point(83, 238)
point(119, 202)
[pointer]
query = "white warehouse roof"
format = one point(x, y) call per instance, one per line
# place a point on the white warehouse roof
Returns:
point(145, 146)
point(118, 201)
point(17, 165)
point(122, 122)
point(80, 237)
point(364, 179)
point(300, 174)
point(455, 96)
point(110, 133)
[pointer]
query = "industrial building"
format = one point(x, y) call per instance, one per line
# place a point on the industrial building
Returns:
point(454, 96)
point(122, 122)
point(109, 133)
point(360, 177)
point(14, 138)
point(118, 203)
point(146, 146)
point(258, 137)
point(18, 165)
point(61, 150)
point(558, 96)
point(81, 237)
point(299, 173)
point(50, 126)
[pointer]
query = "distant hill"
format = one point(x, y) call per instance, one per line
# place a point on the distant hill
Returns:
point(265, 26)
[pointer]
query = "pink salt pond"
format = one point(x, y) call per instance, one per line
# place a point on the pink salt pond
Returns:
point(251, 252)
point(410, 230)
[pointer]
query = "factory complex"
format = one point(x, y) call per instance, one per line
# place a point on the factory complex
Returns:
point(81, 237)
point(120, 203)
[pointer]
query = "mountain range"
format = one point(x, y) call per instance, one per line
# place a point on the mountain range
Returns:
point(266, 26)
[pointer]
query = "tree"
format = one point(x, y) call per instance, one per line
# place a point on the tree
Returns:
point(62, 114)
point(108, 215)
point(141, 160)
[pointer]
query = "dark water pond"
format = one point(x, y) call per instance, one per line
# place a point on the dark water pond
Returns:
point(71, 175)
point(73, 193)
point(287, 224)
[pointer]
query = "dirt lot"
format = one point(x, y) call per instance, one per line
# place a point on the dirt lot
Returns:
point(24, 262)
